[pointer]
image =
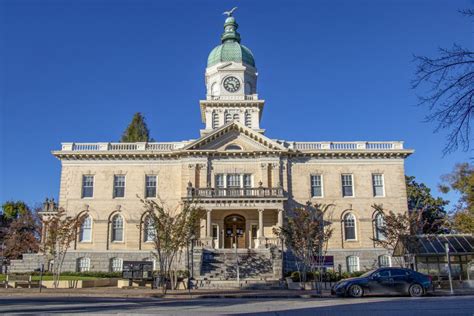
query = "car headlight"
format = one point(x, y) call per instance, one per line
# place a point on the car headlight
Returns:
point(342, 284)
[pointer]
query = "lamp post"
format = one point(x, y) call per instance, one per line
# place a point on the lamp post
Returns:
point(446, 246)
point(190, 272)
point(236, 259)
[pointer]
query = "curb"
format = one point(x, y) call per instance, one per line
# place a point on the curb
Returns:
point(203, 296)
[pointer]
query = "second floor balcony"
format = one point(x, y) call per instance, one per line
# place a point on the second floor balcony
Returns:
point(232, 193)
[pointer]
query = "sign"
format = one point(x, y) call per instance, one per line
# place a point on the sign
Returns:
point(137, 270)
point(326, 261)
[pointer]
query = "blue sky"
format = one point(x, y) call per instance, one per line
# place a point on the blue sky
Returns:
point(328, 70)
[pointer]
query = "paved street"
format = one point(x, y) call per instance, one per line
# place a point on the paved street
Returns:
point(457, 305)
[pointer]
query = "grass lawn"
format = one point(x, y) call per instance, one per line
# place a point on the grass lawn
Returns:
point(50, 277)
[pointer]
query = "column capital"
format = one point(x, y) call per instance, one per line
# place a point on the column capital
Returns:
point(209, 210)
point(260, 210)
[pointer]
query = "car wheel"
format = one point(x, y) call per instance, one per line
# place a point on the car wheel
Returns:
point(416, 290)
point(356, 291)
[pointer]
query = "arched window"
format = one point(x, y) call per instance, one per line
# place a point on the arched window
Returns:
point(83, 264)
point(117, 228)
point(215, 119)
point(149, 232)
point(236, 117)
point(379, 223)
point(248, 88)
point(384, 261)
point(352, 264)
point(116, 264)
point(227, 117)
point(248, 119)
point(349, 227)
point(85, 231)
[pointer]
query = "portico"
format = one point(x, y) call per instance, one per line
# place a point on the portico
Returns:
point(246, 227)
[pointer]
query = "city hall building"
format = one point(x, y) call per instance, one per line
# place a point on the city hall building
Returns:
point(247, 182)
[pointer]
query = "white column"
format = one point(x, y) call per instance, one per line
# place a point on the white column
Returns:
point(260, 223)
point(208, 224)
point(280, 218)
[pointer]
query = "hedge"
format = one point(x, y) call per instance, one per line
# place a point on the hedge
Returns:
point(328, 276)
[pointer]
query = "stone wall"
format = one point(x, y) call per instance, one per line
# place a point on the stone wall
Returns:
point(99, 261)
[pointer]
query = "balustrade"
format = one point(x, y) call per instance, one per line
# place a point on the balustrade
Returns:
point(347, 145)
point(234, 192)
point(177, 145)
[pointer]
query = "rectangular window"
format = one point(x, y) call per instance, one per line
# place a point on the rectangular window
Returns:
point(219, 180)
point(377, 182)
point(83, 265)
point(316, 186)
point(254, 231)
point(347, 188)
point(87, 186)
point(233, 180)
point(119, 186)
point(352, 264)
point(150, 186)
point(116, 265)
point(247, 180)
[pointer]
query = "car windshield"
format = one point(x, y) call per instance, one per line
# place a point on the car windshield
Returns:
point(367, 273)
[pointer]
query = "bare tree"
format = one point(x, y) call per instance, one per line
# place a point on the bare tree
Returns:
point(450, 78)
point(172, 230)
point(60, 232)
point(306, 234)
point(398, 226)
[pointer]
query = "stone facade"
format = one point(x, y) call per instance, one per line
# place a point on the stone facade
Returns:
point(247, 182)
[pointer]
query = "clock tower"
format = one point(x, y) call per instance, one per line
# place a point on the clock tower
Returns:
point(231, 84)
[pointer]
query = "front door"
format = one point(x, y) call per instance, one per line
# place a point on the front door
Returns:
point(234, 231)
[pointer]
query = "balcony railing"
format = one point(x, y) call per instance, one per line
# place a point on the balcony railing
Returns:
point(174, 146)
point(259, 192)
point(346, 145)
point(123, 146)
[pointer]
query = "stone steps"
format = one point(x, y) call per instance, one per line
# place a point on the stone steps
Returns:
point(221, 264)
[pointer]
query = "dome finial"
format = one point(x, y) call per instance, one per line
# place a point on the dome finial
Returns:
point(230, 12)
point(230, 28)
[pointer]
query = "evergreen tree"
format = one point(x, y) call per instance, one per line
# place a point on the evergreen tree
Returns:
point(13, 209)
point(137, 130)
point(422, 202)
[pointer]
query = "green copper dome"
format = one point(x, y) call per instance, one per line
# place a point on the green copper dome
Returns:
point(230, 49)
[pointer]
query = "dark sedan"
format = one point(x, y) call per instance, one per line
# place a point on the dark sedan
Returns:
point(384, 281)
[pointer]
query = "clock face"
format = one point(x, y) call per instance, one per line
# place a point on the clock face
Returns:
point(231, 84)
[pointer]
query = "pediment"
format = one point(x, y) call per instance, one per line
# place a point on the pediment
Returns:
point(234, 137)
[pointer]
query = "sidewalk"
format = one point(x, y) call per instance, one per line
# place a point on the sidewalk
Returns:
point(447, 292)
point(180, 294)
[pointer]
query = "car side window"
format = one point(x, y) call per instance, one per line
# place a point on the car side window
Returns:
point(398, 272)
point(382, 274)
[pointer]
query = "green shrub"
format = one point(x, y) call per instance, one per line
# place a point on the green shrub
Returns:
point(295, 276)
point(95, 274)
point(357, 274)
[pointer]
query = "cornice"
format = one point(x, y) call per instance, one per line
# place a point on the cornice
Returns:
point(98, 155)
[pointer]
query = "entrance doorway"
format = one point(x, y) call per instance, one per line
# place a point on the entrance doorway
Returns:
point(234, 231)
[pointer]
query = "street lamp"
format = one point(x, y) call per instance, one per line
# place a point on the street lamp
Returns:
point(190, 271)
point(236, 259)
